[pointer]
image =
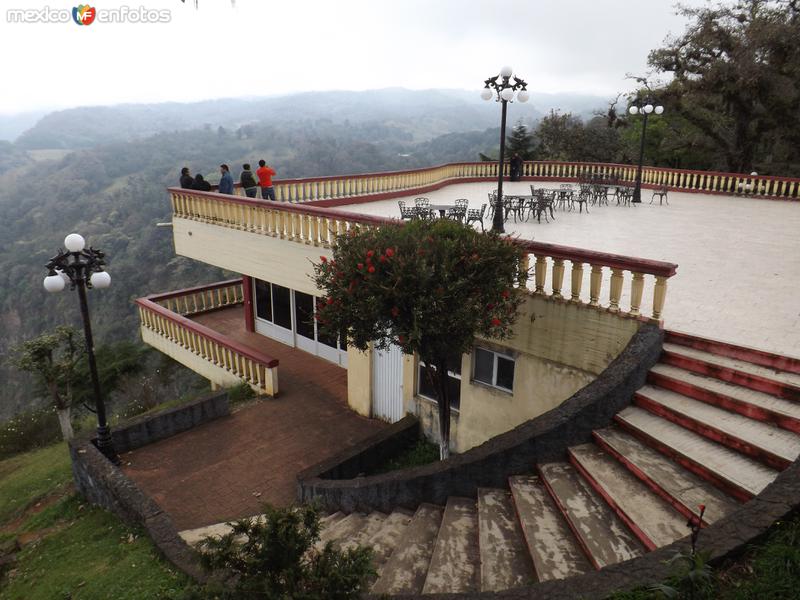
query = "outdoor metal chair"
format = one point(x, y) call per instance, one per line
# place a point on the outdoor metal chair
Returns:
point(582, 199)
point(476, 216)
point(662, 195)
point(406, 213)
point(422, 207)
point(459, 213)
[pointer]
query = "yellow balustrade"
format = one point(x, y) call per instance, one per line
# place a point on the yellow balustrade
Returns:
point(164, 317)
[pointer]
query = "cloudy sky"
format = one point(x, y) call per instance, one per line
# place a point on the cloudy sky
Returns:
point(264, 47)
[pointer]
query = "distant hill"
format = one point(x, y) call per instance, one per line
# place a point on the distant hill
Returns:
point(424, 114)
point(12, 126)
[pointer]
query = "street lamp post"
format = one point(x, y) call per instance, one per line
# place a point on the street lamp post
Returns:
point(83, 269)
point(502, 88)
point(645, 108)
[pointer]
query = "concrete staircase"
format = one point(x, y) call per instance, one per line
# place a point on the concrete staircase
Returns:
point(714, 425)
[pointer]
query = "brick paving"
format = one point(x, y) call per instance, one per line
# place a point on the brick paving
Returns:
point(739, 259)
point(228, 468)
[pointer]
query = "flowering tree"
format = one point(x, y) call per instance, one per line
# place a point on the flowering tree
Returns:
point(428, 287)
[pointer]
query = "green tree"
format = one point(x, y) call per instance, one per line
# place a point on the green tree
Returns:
point(428, 287)
point(560, 136)
point(52, 358)
point(735, 77)
point(520, 142)
point(278, 557)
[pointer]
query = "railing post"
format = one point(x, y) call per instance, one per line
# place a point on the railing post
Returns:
point(558, 276)
point(637, 286)
point(576, 276)
point(595, 281)
point(616, 289)
point(659, 295)
point(540, 273)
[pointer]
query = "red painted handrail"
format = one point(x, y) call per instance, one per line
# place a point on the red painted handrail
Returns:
point(193, 290)
point(267, 361)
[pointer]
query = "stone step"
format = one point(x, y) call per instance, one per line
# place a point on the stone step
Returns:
point(407, 567)
point(682, 488)
point(773, 446)
point(373, 523)
point(194, 536)
point(652, 520)
point(328, 520)
point(734, 473)
point(384, 541)
point(735, 398)
point(551, 544)
point(754, 356)
point(505, 562)
point(455, 564)
point(604, 538)
point(740, 373)
point(343, 529)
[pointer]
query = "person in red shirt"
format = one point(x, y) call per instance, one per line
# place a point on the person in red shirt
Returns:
point(264, 174)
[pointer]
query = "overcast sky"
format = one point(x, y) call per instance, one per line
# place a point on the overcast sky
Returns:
point(264, 47)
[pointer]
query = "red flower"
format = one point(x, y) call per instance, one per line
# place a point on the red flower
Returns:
point(371, 269)
point(389, 252)
point(495, 322)
point(323, 259)
point(401, 339)
point(370, 253)
point(330, 301)
point(382, 258)
point(505, 294)
point(360, 266)
point(421, 252)
point(475, 257)
point(395, 311)
point(489, 306)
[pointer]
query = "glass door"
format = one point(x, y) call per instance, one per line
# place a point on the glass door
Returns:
point(274, 311)
point(305, 326)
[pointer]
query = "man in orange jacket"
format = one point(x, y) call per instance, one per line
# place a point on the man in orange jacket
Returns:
point(264, 174)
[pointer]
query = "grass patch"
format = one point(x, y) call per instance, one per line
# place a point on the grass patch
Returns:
point(421, 453)
point(26, 478)
point(93, 556)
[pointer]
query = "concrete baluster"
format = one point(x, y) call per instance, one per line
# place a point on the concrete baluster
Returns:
point(540, 274)
point(595, 281)
point(616, 289)
point(576, 276)
point(558, 277)
point(659, 296)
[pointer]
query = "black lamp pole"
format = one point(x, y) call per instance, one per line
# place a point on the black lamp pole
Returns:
point(504, 87)
point(83, 268)
point(644, 108)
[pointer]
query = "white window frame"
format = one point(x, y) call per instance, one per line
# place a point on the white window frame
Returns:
point(495, 354)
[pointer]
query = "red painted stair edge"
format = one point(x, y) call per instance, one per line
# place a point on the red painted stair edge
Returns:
point(751, 355)
point(720, 400)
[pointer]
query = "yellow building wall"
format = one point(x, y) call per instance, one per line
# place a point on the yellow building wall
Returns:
point(272, 259)
point(359, 381)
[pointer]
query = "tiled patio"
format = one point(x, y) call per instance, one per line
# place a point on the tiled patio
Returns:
point(738, 278)
point(228, 468)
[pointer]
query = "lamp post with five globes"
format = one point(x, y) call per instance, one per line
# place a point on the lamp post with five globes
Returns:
point(83, 268)
point(502, 88)
point(644, 108)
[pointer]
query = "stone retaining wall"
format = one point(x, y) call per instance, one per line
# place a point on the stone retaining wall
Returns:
point(544, 438)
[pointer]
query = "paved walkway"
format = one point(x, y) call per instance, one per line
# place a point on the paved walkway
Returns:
point(228, 468)
point(738, 278)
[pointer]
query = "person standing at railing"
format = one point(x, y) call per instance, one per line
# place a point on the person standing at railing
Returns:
point(265, 174)
point(200, 184)
point(248, 181)
point(186, 179)
point(226, 181)
point(516, 167)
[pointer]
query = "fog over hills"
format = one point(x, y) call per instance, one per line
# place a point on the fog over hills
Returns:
point(424, 113)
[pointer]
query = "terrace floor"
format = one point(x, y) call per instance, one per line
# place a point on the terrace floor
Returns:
point(230, 467)
point(738, 259)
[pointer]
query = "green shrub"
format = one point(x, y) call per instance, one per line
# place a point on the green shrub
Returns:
point(239, 393)
point(276, 557)
point(421, 453)
point(28, 430)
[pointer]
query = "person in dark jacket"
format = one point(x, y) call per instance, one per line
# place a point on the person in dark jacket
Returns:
point(226, 181)
point(248, 181)
point(516, 167)
point(200, 184)
point(186, 178)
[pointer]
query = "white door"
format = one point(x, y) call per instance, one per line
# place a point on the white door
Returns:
point(387, 384)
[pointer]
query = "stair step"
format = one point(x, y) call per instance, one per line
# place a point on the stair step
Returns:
point(685, 490)
point(384, 541)
point(747, 402)
point(738, 475)
point(601, 534)
point(771, 445)
point(555, 552)
point(330, 519)
point(455, 564)
point(762, 379)
point(373, 523)
point(736, 364)
point(194, 536)
point(651, 519)
point(505, 563)
point(407, 567)
point(342, 529)
point(753, 356)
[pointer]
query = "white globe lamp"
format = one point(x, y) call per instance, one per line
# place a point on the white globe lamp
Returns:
point(54, 283)
point(648, 108)
point(523, 96)
point(634, 110)
point(486, 94)
point(74, 242)
point(506, 71)
point(659, 110)
point(507, 94)
point(100, 280)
